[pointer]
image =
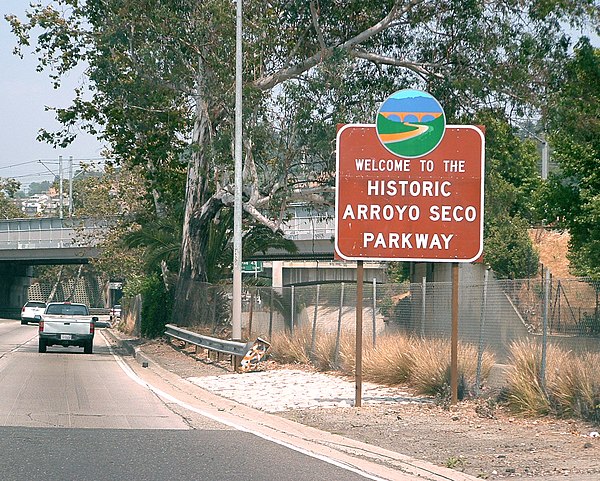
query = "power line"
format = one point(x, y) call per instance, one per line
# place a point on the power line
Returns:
point(18, 165)
point(33, 174)
point(55, 160)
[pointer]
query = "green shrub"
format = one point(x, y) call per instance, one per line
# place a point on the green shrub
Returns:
point(157, 304)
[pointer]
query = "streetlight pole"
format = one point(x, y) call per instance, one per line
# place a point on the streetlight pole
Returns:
point(237, 205)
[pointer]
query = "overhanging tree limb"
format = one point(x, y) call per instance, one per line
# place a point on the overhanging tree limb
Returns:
point(268, 82)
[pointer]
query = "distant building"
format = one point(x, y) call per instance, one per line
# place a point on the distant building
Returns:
point(44, 204)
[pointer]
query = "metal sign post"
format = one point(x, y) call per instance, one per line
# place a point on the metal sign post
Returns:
point(454, 337)
point(359, 332)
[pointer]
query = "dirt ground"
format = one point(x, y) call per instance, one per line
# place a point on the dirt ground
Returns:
point(489, 448)
point(474, 437)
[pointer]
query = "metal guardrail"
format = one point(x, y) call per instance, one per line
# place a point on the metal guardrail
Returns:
point(234, 348)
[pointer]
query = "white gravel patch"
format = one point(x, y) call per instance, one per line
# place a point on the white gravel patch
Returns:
point(287, 389)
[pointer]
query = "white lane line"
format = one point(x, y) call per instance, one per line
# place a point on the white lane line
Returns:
point(132, 375)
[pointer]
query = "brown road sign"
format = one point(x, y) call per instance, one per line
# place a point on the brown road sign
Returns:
point(393, 208)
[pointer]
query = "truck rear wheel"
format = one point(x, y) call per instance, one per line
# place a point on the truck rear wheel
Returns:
point(42, 345)
point(88, 347)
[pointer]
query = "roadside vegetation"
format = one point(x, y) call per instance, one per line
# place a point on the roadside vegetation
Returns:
point(396, 359)
point(308, 67)
point(572, 388)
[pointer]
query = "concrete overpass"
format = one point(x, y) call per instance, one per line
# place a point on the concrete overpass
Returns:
point(28, 242)
point(74, 241)
point(43, 241)
point(50, 240)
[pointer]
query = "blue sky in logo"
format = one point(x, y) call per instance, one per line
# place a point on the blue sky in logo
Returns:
point(411, 101)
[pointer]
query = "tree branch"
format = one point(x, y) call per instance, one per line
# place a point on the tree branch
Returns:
point(419, 68)
point(268, 82)
point(315, 21)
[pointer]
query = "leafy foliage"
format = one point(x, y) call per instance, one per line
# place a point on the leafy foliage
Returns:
point(511, 185)
point(38, 187)
point(8, 189)
point(162, 82)
point(572, 196)
point(509, 250)
point(156, 306)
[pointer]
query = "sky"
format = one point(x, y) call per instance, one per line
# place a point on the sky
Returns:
point(23, 95)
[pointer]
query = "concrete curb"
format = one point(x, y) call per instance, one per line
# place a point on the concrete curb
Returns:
point(128, 344)
point(377, 461)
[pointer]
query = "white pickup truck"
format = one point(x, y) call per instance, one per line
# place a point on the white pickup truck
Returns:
point(66, 324)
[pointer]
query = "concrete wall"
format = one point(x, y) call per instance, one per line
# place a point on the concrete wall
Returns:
point(496, 327)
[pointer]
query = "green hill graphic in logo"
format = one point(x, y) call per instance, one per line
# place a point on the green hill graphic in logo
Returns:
point(410, 123)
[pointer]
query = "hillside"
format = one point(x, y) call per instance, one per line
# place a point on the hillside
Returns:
point(553, 247)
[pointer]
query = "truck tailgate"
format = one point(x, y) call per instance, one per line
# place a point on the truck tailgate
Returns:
point(56, 325)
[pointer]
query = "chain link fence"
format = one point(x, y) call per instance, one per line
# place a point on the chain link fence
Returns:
point(492, 314)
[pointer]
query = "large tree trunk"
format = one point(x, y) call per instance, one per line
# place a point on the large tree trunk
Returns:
point(55, 286)
point(199, 211)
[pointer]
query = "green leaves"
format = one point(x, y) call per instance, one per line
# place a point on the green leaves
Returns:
point(161, 78)
point(511, 183)
point(572, 196)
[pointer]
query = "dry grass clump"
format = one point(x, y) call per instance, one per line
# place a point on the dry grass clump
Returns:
point(431, 372)
point(393, 353)
point(324, 358)
point(288, 349)
point(572, 382)
point(296, 349)
point(396, 359)
point(525, 393)
point(574, 386)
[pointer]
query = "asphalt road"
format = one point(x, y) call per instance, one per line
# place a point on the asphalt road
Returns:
point(65, 415)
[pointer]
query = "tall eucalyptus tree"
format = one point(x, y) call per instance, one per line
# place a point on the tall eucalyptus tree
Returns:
point(160, 77)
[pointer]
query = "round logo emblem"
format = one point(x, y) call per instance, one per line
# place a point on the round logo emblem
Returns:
point(410, 123)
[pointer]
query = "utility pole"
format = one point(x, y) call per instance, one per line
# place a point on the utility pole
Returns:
point(71, 186)
point(545, 150)
point(544, 158)
point(60, 187)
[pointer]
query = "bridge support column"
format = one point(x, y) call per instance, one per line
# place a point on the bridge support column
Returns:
point(277, 274)
point(14, 283)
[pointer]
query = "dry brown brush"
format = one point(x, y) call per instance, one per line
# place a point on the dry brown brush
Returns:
point(395, 359)
point(572, 382)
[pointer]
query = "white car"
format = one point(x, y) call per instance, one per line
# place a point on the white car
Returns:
point(30, 310)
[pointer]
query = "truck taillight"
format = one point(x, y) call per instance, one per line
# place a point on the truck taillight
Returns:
point(92, 327)
point(41, 326)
